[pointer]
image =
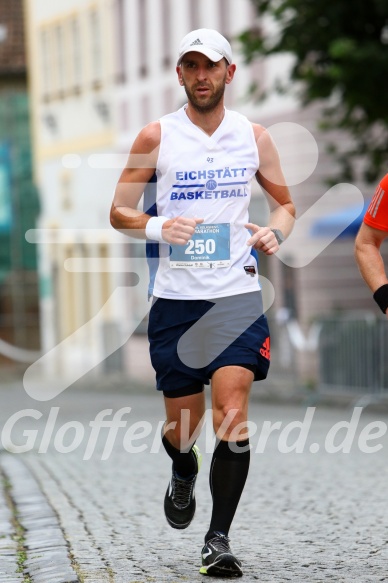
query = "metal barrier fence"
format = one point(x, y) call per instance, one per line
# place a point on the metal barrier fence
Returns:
point(353, 356)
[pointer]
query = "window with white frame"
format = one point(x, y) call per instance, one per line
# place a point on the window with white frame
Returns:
point(59, 52)
point(224, 10)
point(45, 59)
point(95, 47)
point(166, 33)
point(194, 14)
point(75, 54)
point(143, 38)
point(119, 21)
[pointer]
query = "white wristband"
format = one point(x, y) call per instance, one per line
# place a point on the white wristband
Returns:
point(154, 228)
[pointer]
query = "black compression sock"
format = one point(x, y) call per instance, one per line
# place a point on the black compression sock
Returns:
point(228, 473)
point(184, 463)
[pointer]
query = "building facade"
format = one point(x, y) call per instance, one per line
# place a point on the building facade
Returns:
point(99, 71)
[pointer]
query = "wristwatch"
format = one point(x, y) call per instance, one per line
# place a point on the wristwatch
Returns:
point(279, 235)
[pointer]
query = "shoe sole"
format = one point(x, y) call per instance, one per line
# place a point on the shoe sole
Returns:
point(226, 566)
point(179, 526)
point(222, 571)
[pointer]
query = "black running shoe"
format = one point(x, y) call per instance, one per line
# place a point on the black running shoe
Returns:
point(179, 502)
point(218, 560)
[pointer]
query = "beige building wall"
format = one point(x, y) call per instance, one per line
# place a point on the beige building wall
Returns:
point(71, 76)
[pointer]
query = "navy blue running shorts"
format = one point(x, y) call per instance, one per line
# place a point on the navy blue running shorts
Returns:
point(190, 339)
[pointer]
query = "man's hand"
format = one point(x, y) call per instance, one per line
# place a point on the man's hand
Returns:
point(179, 231)
point(263, 239)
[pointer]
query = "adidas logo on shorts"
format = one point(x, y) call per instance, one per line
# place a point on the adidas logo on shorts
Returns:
point(265, 350)
point(196, 42)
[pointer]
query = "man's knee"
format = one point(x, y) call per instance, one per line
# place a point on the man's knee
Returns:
point(229, 419)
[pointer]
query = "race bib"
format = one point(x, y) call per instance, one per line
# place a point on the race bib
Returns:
point(209, 248)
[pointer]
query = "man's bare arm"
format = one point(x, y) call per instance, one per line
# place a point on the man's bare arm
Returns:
point(139, 170)
point(368, 256)
point(135, 176)
point(271, 178)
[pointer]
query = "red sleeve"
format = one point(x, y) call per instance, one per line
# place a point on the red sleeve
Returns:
point(377, 214)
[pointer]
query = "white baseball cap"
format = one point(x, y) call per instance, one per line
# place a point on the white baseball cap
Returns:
point(208, 42)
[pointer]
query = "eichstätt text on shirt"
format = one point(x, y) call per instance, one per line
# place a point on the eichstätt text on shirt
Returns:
point(212, 188)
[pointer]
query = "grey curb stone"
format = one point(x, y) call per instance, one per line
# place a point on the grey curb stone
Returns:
point(40, 544)
point(8, 546)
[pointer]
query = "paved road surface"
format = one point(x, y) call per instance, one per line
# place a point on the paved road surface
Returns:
point(313, 516)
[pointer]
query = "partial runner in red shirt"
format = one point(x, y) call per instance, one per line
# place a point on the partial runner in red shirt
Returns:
point(377, 214)
point(372, 233)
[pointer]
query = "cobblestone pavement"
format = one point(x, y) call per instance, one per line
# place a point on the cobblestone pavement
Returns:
point(312, 516)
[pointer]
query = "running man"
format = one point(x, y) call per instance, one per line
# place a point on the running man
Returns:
point(372, 233)
point(206, 323)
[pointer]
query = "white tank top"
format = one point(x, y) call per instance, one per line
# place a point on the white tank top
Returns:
point(208, 177)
